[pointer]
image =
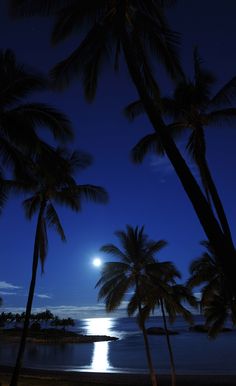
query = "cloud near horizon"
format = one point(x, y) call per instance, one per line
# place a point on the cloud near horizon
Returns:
point(8, 293)
point(6, 289)
point(76, 312)
point(8, 286)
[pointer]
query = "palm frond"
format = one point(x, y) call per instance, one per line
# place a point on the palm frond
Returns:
point(68, 199)
point(203, 78)
point(23, 8)
point(31, 206)
point(162, 41)
point(93, 67)
point(111, 249)
point(222, 117)
point(43, 115)
point(150, 143)
point(79, 160)
point(134, 109)
point(114, 298)
point(170, 107)
point(111, 269)
point(92, 193)
point(154, 247)
point(5, 188)
point(216, 313)
point(132, 305)
point(225, 96)
point(107, 284)
point(73, 195)
point(17, 81)
point(18, 186)
point(54, 221)
point(77, 61)
point(166, 3)
point(68, 19)
point(163, 271)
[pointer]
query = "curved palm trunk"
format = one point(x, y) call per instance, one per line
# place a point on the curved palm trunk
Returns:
point(146, 342)
point(20, 355)
point(223, 247)
point(172, 363)
point(217, 202)
point(208, 182)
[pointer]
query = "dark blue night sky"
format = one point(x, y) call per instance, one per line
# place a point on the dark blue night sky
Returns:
point(148, 194)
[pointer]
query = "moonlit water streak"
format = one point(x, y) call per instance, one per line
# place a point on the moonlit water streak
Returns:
point(100, 358)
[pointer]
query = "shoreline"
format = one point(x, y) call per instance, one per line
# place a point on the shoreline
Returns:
point(53, 336)
point(38, 377)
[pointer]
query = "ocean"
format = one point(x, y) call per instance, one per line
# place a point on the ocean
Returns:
point(193, 352)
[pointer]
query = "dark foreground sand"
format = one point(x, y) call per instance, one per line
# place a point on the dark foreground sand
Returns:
point(58, 378)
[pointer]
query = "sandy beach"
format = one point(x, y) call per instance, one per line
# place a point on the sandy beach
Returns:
point(35, 377)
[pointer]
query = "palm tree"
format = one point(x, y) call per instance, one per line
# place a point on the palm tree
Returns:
point(137, 30)
point(20, 120)
point(50, 179)
point(193, 108)
point(46, 316)
point(217, 303)
point(163, 291)
point(136, 257)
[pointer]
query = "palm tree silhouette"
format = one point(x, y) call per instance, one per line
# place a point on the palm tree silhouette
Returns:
point(21, 121)
point(193, 108)
point(162, 291)
point(50, 180)
point(138, 31)
point(136, 257)
point(217, 303)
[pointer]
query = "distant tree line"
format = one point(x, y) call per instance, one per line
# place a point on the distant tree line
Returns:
point(47, 316)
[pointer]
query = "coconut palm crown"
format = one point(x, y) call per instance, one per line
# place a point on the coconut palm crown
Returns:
point(136, 257)
point(107, 22)
point(216, 303)
point(21, 121)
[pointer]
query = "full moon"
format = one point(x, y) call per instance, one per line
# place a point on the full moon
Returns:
point(97, 262)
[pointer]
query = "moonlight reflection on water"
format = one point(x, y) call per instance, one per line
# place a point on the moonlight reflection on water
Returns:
point(100, 358)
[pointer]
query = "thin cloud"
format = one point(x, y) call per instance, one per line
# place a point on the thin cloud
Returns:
point(43, 296)
point(161, 165)
point(8, 293)
point(8, 286)
point(164, 168)
point(76, 312)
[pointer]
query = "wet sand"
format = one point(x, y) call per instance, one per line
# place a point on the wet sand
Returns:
point(35, 377)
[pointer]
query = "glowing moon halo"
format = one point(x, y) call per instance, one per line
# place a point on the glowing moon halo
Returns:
point(97, 262)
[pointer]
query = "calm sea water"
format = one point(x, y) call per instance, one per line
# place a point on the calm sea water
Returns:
point(193, 352)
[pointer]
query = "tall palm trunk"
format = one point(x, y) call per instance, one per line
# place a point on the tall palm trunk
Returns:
point(208, 181)
point(221, 244)
point(20, 355)
point(145, 337)
point(217, 202)
point(172, 363)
